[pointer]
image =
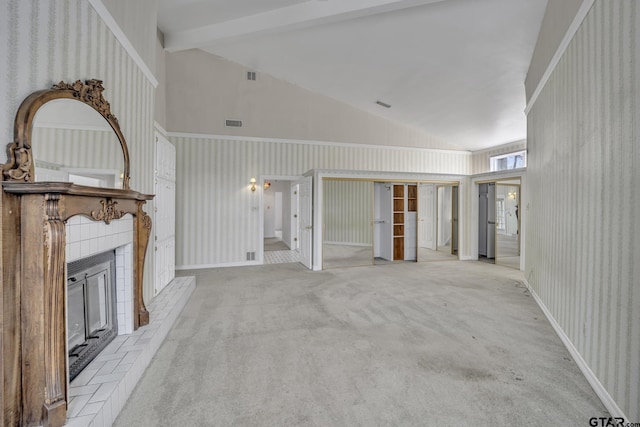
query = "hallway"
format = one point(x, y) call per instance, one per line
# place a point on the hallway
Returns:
point(277, 252)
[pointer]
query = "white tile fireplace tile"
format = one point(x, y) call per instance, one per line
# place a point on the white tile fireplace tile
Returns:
point(102, 388)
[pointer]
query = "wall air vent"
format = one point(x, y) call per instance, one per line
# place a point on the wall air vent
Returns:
point(251, 75)
point(383, 104)
point(233, 123)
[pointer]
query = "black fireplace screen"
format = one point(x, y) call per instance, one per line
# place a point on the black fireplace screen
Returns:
point(91, 309)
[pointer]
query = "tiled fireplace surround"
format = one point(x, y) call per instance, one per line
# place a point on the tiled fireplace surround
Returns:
point(99, 392)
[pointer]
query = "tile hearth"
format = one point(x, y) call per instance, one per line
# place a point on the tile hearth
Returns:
point(99, 392)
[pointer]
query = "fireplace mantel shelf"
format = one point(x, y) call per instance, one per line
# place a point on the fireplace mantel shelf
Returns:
point(72, 189)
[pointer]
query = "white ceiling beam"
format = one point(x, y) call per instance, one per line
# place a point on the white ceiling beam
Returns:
point(298, 16)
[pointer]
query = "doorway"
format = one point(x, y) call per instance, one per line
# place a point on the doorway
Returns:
point(347, 230)
point(508, 224)
point(499, 222)
point(395, 223)
point(368, 221)
point(280, 220)
point(437, 222)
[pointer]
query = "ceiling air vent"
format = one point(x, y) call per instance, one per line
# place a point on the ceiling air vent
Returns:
point(233, 123)
point(383, 104)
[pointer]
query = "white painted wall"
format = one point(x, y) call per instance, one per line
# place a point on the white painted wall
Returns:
point(205, 90)
point(583, 199)
point(160, 73)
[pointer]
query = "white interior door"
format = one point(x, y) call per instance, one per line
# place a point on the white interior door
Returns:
point(305, 232)
point(443, 235)
point(454, 215)
point(426, 216)
point(295, 221)
point(277, 211)
point(491, 221)
point(165, 213)
point(383, 221)
point(482, 220)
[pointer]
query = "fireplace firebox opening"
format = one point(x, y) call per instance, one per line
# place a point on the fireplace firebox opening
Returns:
point(91, 309)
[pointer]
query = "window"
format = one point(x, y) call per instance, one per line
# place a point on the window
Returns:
point(508, 161)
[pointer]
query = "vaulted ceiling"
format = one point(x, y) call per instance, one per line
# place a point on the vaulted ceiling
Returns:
point(452, 68)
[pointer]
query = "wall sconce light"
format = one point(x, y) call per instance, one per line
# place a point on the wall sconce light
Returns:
point(267, 184)
point(512, 195)
point(253, 184)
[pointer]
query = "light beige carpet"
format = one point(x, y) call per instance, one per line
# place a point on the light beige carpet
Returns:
point(404, 344)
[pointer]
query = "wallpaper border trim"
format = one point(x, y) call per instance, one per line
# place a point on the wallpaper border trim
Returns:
point(596, 385)
point(111, 23)
point(311, 142)
point(564, 44)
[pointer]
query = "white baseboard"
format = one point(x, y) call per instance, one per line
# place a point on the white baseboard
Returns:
point(349, 244)
point(228, 264)
point(595, 383)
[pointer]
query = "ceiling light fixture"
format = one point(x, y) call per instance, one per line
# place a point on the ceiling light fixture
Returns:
point(383, 104)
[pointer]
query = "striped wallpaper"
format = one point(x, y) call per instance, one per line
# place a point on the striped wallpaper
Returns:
point(137, 20)
point(480, 159)
point(45, 41)
point(584, 199)
point(583, 170)
point(348, 212)
point(217, 220)
point(77, 148)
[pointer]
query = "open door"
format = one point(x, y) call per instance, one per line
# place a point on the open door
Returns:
point(426, 216)
point(444, 219)
point(454, 217)
point(487, 220)
point(491, 221)
point(295, 214)
point(383, 220)
point(482, 219)
point(305, 233)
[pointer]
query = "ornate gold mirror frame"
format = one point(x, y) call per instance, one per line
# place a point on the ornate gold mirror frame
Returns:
point(33, 363)
point(20, 164)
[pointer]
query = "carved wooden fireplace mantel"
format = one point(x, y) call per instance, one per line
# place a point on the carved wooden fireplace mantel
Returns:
point(34, 355)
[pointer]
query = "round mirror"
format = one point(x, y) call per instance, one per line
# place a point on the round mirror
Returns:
point(72, 142)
